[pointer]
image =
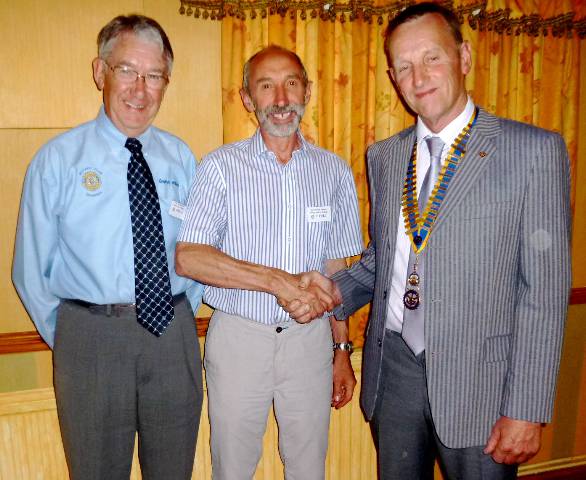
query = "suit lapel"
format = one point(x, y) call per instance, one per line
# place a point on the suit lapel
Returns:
point(398, 162)
point(481, 148)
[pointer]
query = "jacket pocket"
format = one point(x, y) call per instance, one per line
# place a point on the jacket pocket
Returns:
point(496, 349)
point(495, 209)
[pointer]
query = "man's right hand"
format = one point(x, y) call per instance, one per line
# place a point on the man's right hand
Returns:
point(317, 294)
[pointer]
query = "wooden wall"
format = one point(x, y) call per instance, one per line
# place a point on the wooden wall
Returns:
point(30, 443)
point(46, 87)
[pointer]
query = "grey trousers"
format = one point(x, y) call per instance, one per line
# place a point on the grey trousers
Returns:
point(113, 379)
point(403, 428)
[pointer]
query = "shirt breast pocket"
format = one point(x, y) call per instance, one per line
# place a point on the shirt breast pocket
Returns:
point(318, 237)
point(171, 201)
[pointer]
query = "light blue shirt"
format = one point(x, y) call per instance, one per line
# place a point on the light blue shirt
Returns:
point(74, 235)
point(293, 216)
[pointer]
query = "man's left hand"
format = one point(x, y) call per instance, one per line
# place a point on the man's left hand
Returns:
point(513, 441)
point(344, 379)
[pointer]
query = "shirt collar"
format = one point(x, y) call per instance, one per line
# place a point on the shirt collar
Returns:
point(450, 131)
point(257, 145)
point(115, 137)
point(258, 148)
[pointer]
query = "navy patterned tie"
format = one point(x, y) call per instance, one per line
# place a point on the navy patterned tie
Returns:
point(154, 301)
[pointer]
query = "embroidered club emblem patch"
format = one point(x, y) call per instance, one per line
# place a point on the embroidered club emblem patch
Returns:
point(91, 180)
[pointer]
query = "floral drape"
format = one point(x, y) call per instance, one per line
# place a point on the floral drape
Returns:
point(534, 79)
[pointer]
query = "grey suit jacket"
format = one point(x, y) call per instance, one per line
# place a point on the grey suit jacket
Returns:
point(497, 277)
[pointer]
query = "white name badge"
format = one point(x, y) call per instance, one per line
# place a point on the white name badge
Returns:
point(177, 210)
point(318, 214)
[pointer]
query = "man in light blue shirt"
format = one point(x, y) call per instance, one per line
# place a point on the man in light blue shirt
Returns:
point(74, 269)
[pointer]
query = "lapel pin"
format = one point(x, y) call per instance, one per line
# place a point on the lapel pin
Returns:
point(482, 154)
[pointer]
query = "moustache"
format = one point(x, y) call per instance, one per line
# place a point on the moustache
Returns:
point(275, 109)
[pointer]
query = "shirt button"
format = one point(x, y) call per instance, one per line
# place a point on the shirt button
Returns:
point(279, 329)
point(380, 342)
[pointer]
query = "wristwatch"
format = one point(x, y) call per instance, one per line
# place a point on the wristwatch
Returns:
point(344, 346)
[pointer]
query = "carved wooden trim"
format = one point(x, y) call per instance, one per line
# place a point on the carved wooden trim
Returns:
point(576, 472)
point(21, 342)
point(201, 324)
point(578, 296)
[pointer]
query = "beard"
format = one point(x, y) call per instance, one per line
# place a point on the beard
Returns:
point(276, 130)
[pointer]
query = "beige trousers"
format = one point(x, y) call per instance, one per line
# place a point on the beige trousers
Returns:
point(250, 366)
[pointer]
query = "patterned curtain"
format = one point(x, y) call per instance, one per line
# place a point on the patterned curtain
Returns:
point(518, 73)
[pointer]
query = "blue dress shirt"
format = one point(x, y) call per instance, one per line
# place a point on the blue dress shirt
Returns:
point(74, 235)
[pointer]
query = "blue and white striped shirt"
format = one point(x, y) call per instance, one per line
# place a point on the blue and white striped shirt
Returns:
point(253, 208)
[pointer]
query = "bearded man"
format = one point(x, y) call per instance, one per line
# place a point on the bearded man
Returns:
point(263, 211)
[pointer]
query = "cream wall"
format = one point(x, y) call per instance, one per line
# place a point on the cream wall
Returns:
point(46, 87)
point(29, 420)
point(46, 48)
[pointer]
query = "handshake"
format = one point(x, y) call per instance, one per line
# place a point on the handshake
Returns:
point(306, 296)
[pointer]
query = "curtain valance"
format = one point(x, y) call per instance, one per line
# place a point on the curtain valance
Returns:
point(476, 14)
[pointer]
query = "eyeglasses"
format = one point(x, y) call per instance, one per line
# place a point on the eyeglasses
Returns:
point(125, 74)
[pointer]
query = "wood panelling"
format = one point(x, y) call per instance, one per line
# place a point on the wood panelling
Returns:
point(46, 87)
point(578, 296)
point(192, 108)
point(30, 341)
point(46, 54)
point(30, 443)
point(16, 149)
point(19, 342)
point(47, 48)
point(573, 468)
point(565, 437)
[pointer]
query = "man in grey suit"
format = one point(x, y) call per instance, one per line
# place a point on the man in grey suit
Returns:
point(463, 345)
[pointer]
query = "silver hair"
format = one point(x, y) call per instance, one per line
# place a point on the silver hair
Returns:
point(143, 27)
